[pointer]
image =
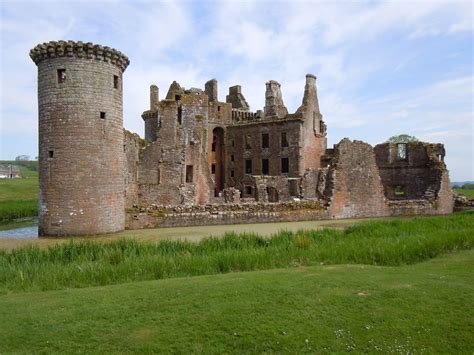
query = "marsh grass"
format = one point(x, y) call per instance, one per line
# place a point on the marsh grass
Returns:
point(11, 210)
point(88, 263)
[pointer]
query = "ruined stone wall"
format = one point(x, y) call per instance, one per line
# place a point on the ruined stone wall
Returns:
point(353, 185)
point(245, 142)
point(413, 177)
point(81, 158)
point(131, 148)
point(181, 216)
point(174, 169)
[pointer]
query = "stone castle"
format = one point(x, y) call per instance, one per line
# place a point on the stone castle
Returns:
point(204, 161)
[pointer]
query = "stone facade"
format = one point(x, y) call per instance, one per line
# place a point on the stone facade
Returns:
point(204, 161)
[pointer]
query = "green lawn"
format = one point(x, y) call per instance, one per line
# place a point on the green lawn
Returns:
point(426, 307)
point(19, 197)
point(469, 193)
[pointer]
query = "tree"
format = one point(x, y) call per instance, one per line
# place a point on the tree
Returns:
point(22, 158)
point(402, 138)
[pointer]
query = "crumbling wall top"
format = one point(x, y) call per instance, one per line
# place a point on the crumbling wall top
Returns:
point(79, 49)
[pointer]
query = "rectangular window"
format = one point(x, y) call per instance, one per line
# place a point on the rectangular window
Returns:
point(248, 166)
point(248, 142)
point(213, 147)
point(218, 108)
point(401, 151)
point(285, 166)
point(248, 190)
point(284, 140)
point(102, 115)
point(115, 82)
point(213, 168)
point(51, 154)
point(265, 140)
point(180, 115)
point(189, 173)
point(265, 167)
point(232, 173)
point(61, 76)
point(231, 142)
point(232, 158)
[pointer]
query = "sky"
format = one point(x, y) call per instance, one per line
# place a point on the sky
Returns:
point(383, 68)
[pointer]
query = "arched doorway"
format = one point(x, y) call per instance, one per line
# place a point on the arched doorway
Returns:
point(218, 149)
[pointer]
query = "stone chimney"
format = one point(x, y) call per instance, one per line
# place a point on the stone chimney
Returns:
point(274, 106)
point(154, 97)
point(210, 88)
point(310, 99)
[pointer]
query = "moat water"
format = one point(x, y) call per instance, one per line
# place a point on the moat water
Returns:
point(27, 228)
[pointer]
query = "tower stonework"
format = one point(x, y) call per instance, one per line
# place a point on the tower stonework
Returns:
point(81, 158)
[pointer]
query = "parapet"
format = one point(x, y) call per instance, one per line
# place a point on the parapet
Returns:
point(55, 49)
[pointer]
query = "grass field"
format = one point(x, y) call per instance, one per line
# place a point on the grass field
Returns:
point(421, 308)
point(89, 263)
point(469, 193)
point(19, 197)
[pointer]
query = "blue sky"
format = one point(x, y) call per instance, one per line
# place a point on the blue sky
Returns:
point(383, 68)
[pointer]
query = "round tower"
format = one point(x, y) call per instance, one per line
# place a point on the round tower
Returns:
point(81, 158)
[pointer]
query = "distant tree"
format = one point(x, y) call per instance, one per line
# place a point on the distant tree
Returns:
point(468, 186)
point(22, 158)
point(36, 158)
point(402, 138)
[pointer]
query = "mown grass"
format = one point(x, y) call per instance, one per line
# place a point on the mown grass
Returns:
point(421, 308)
point(469, 193)
point(19, 197)
point(84, 263)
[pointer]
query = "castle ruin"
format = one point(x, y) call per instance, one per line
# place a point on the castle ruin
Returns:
point(204, 161)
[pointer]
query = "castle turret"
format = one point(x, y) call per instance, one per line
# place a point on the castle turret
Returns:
point(81, 159)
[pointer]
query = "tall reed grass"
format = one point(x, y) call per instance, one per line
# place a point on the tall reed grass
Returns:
point(86, 263)
point(10, 210)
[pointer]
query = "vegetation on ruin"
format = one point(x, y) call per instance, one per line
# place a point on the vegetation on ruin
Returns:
point(402, 138)
point(421, 308)
point(19, 197)
point(88, 263)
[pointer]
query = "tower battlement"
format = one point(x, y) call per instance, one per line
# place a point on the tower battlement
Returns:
point(79, 49)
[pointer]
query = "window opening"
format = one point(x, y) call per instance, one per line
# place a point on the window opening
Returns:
point(189, 173)
point(401, 151)
point(115, 82)
point(213, 168)
point(248, 166)
point(232, 173)
point(61, 76)
point(248, 190)
point(51, 154)
point(232, 158)
point(265, 140)
point(102, 115)
point(265, 167)
point(180, 115)
point(284, 140)
point(248, 143)
point(284, 165)
point(399, 190)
